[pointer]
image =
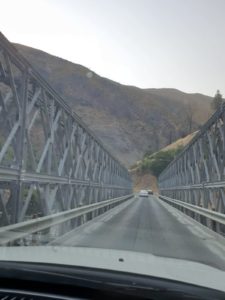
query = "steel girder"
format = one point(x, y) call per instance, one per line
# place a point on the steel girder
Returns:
point(197, 174)
point(49, 160)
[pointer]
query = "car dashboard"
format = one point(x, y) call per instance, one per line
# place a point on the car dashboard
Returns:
point(34, 282)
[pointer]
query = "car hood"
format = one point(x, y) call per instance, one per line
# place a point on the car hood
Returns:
point(117, 260)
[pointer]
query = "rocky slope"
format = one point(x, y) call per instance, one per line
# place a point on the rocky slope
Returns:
point(129, 120)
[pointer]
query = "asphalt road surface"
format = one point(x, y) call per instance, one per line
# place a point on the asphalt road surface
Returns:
point(151, 226)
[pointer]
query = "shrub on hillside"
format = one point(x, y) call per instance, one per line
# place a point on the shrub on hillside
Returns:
point(157, 162)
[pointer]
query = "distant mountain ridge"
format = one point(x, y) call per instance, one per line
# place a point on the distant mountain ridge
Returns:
point(129, 120)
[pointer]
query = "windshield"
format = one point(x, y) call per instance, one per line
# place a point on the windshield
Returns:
point(112, 136)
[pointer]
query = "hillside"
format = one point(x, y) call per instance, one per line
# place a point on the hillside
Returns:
point(182, 142)
point(129, 120)
point(145, 180)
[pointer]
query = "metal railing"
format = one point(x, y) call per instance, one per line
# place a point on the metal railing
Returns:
point(194, 210)
point(49, 160)
point(21, 230)
point(197, 175)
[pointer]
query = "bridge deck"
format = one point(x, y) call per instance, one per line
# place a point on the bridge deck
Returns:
point(151, 226)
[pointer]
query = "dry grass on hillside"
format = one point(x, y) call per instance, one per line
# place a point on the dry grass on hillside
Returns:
point(181, 142)
point(147, 180)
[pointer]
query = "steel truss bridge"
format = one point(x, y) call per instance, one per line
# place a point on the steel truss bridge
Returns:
point(56, 177)
point(55, 174)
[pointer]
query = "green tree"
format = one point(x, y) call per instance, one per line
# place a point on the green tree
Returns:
point(217, 100)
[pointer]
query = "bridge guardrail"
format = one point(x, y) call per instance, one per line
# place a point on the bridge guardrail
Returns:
point(207, 213)
point(20, 230)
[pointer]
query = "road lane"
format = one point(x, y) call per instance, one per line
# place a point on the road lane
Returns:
point(147, 225)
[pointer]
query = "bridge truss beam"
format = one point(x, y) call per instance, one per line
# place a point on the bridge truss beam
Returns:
point(49, 160)
point(197, 174)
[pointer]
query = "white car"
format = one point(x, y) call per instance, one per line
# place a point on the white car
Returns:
point(143, 193)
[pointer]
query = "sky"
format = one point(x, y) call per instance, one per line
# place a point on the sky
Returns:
point(147, 43)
